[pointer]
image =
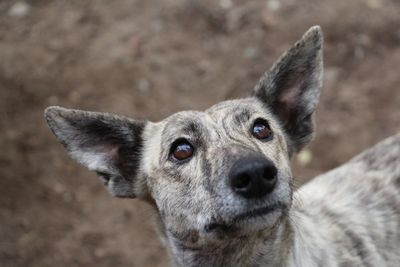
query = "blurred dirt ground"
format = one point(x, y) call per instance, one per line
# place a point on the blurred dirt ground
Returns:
point(148, 59)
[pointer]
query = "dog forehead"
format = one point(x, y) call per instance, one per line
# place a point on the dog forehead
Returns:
point(185, 119)
point(231, 107)
point(185, 123)
point(190, 121)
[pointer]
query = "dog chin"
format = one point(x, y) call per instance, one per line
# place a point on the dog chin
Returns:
point(249, 221)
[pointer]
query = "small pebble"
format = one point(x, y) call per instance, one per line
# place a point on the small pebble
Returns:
point(143, 85)
point(305, 157)
point(359, 52)
point(273, 5)
point(19, 10)
point(225, 4)
point(373, 4)
point(250, 52)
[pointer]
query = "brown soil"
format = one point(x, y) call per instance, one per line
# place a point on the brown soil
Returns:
point(148, 59)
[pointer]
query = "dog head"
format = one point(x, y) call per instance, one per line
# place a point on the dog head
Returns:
point(212, 175)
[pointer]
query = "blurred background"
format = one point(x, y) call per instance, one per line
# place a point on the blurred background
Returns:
point(148, 59)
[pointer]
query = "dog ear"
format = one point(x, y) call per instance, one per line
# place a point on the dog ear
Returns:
point(291, 88)
point(107, 144)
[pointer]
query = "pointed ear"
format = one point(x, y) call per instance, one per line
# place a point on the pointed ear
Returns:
point(291, 88)
point(107, 144)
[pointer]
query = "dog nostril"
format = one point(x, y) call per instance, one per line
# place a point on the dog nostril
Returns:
point(216, 227)
point(241, 181)
point(210, 227)
point(269, 173)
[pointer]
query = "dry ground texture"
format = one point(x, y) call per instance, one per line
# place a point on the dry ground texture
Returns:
point(148, 59)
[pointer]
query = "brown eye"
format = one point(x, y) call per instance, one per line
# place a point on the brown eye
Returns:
point(261, 130)
point(181, 150)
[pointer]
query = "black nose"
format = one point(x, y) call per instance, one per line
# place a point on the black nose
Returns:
point(253, 177)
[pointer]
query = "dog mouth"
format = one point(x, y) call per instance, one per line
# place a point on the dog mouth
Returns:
point(258, 212)
point(245, 216)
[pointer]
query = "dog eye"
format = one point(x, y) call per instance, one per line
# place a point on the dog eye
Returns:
point(261, 129)
point(181, 150)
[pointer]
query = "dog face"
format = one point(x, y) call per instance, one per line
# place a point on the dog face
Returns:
point(217, 173)
point(212, 175)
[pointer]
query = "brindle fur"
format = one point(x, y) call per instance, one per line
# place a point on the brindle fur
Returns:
point(347, 217)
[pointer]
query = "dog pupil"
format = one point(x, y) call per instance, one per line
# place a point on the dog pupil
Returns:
point(261, 131)
point(183, 151)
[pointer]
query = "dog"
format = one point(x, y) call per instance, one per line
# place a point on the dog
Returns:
point(221, 184)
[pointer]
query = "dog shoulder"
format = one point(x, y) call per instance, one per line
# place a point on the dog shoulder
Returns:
point(378, 166)
point(383, 158)
point(357, 205)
